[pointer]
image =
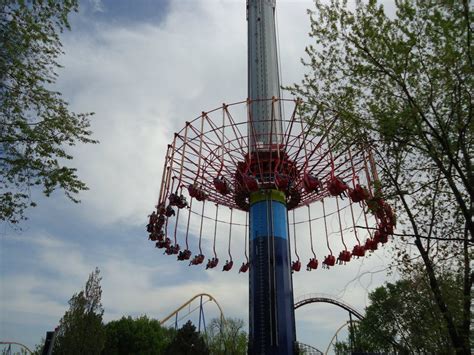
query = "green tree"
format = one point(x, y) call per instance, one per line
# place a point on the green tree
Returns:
point(81, 330)
point(406, 313)
point(36, 124)
point(141, 335)
point(226, 337)
point(38, 349)
point(187, 341)
point(401, 84)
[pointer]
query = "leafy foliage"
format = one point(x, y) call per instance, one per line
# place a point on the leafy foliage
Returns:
point(36, 125)
point(81, 330)
point(226, 337)
point(187, 342)
point(141, 335)
point(38, 349)
point(406, 313)
point(402, 85)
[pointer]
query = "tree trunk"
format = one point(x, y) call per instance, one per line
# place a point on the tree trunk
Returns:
point(459, 346)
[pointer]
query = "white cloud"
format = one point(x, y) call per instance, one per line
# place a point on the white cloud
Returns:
point(144, 82)
point(97, 5)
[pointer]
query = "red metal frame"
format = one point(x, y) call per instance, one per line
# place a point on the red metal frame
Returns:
point(212, 154)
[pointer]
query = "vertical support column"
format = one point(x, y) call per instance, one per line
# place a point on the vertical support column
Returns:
point(200, 313)
point(263, 75)
point(272, 318)
point(351, 333)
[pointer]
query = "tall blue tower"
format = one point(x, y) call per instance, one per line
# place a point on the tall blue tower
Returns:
point(272, 319)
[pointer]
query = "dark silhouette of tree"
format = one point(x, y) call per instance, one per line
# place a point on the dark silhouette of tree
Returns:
point(187, 342)
point(36, 125)
point(80, 329)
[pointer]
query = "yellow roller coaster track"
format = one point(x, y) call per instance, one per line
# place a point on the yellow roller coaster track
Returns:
point(211, 298)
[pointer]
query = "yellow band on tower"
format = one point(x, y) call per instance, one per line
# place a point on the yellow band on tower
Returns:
point(273, 195)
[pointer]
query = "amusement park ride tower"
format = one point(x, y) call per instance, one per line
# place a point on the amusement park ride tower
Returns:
point(272, 318)
point(250, 159)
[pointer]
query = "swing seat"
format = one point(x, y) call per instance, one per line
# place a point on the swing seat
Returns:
point(244, 268)
point(329, 260)
point(311, 183)
point(293, 198)
point(296, 265)
point(370, 244)
point(161, 221)
point(383, 211)
point(169, 211)
point(157, 236)
point(161, 208)
point(389, 215)
point(160, 234)
point(193, 190)
point(250, 182)
point(358, 194)
point(221, 185)
point(358, 250)
point(376, 206)
point(201, 196)
point(282, 181)
point(173, 199)
point(172, 249)
point(153, 218)
point(196, 192)
point(344, 256)
point(380, 236)
point(312, 265)
point(336, 186)
point(198, 259)
point(184, 255)
point(182, 203)
point(240, 198)
point(163, 243)
point(377, 236)
point(212, 263)
point(374, 246)
point(386, 227)
point(228, 265)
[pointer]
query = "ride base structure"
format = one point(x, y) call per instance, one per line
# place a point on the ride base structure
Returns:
point(261, 167)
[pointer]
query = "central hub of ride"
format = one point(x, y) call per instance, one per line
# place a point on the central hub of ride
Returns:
point(266, 170)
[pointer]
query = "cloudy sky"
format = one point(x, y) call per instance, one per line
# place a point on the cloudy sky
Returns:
point(145, 67)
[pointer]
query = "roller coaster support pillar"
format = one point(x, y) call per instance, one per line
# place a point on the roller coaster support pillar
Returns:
point(272, 317)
